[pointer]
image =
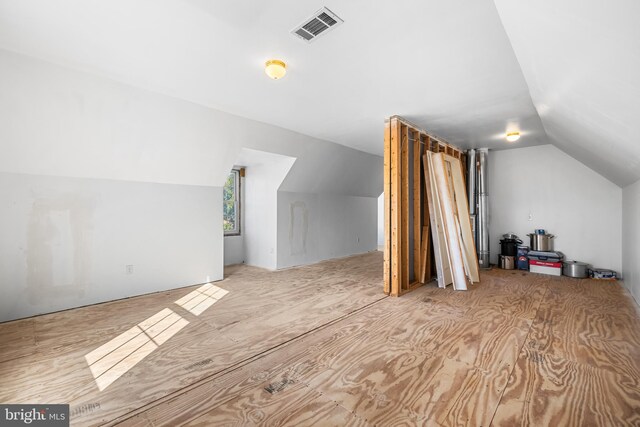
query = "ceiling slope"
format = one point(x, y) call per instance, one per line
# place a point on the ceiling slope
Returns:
point(581, 61)
point(447, 66)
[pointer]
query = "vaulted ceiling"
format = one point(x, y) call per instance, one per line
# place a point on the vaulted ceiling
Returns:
point(563, 72)
point(581, 62)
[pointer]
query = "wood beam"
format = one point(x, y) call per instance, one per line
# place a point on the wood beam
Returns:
point(417, 207)
point(387, 208)
point(404, 170)
point(396, 194)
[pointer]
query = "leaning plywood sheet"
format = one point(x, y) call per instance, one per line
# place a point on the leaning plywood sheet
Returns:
point(441, 253)
point(462, 204)
point(425, 254)
point(448, 168)
point(452, 230)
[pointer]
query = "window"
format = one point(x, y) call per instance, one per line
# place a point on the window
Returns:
point(231, 204)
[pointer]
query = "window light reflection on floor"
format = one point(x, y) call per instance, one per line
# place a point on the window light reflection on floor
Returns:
point(113, 359)
point(202, 298)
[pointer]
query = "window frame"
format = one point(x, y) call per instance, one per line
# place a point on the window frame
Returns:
point(237, 194)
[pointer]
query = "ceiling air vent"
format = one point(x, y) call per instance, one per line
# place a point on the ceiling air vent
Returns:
point(320, 23)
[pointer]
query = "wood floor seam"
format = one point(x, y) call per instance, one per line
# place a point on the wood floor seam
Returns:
point(321, 345)
point(524, 342)
point(240, 364)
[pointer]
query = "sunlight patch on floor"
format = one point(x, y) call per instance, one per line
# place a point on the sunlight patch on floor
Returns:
point(112, 360)
point(198, 301)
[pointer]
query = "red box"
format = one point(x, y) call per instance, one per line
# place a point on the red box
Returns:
point(545, 267)
point(545, 263)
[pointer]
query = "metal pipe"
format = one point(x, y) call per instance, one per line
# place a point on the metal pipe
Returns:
point(472, 195)
point(483, 210)
point(471, 160)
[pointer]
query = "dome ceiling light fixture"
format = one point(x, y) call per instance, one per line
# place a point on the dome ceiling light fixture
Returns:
point(275, 69)
point(513, 136)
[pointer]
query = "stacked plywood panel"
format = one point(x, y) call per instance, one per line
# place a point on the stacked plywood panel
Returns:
point(454, 248)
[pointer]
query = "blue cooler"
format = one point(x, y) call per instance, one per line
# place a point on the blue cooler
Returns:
point(522, 259)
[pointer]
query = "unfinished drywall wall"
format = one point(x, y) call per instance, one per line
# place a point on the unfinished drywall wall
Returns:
point(314, 227)
point(631, 238)
point(67, 242)
point(60, 122)
point(542, 187)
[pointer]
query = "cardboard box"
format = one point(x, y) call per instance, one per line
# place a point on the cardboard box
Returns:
point(545, 267)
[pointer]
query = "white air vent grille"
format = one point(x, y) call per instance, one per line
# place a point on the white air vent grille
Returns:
point(320, 23)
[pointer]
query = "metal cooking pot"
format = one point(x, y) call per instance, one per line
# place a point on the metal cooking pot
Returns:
point(509, 247)
point(507, 262)
point(541, 242)
point(575, 269)
point(511, 236)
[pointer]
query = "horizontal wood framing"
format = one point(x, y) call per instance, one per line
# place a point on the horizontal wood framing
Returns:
point(408, 252)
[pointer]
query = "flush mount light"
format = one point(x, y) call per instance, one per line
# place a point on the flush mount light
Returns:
point(275, 69)
point(513, 136)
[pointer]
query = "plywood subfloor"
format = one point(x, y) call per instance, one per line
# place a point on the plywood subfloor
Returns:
point(321, 345)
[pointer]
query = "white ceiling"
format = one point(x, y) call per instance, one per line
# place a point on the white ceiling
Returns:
point(448, 66)
point(581, 60)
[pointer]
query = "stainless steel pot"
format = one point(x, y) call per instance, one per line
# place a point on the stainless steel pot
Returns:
point(575, 269)
point(541, 242)
point(507, 262)
point(511, 236)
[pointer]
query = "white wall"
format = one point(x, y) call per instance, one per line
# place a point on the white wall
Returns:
point(60, 122)
point(381, 220)
point(313, 227)
point(264, 174)
point(233, 250)
point(66, 242)
point(579, 206)
point(631, 238)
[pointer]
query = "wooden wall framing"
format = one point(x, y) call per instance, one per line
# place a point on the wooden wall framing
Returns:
point(408, 247)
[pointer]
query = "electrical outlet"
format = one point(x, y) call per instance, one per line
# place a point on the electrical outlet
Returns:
point(129, 269)
point(530, 217)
